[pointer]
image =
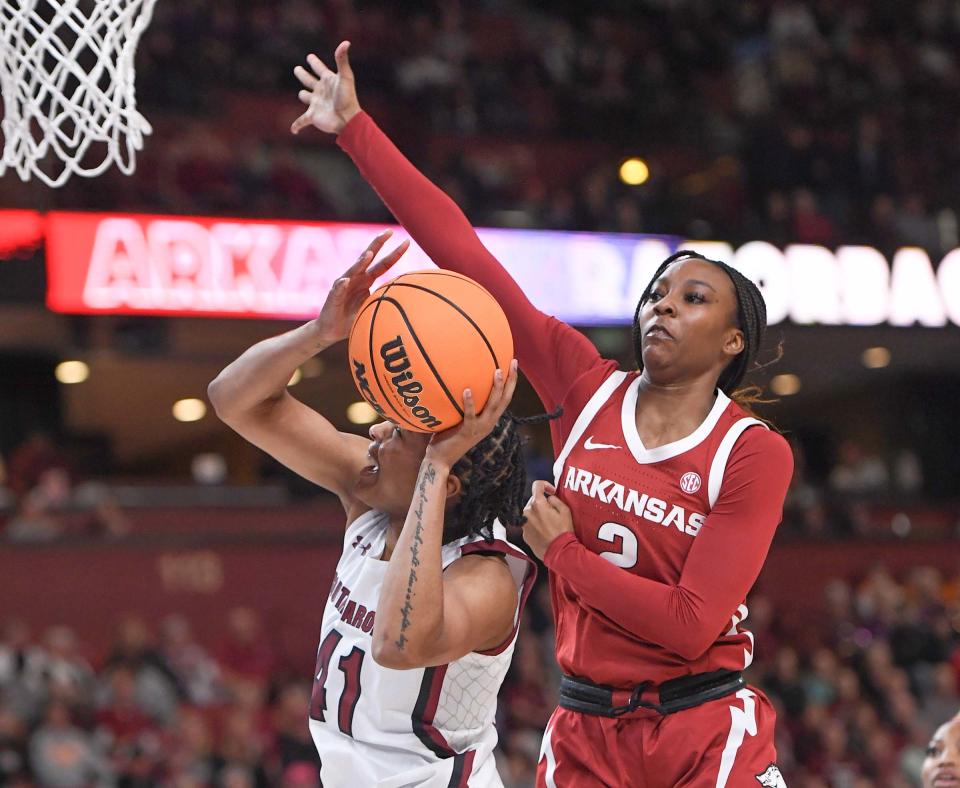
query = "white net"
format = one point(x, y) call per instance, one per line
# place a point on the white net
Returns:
point(67, 78)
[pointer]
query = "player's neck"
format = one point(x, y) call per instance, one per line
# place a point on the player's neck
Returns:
point(668, 412)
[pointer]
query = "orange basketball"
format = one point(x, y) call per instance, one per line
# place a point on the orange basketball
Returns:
point(422, 339)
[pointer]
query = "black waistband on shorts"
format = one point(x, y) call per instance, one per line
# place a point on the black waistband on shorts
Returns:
point(577, 694)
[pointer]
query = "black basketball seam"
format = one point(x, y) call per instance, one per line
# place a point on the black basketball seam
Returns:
point(380, 299)
point(423, 352)
point(450, 274)
point(465, 316)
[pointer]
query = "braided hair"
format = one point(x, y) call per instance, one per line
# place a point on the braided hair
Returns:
point(751, 319)
point(493, 479)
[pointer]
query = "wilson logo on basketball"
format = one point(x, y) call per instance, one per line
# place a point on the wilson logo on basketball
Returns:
point(690, 482)
point(396, 362)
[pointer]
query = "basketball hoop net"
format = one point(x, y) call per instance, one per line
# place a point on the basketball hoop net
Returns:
point(67, 78)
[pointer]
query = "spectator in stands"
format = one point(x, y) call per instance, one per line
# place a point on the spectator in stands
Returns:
point(942, 698)
point(190, 749)
point(292, 743)
point(68, 677)
point(157, 687)
point(13, 748)
point(197, 673)
point(130, 737)
point(240, 757)
point(32, 459)
point(246, 652)
point(63, 755)
point(32, 522)
point(857, 471)
point(23, 679)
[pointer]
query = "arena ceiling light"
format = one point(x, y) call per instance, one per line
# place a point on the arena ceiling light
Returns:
point(634, 171)
point(361, 413)
point(189, 409)
point(70, 372)
point(875, 357)
point(785, 385)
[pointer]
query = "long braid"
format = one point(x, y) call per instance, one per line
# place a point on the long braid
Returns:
point(751, 319)
point(493, 480)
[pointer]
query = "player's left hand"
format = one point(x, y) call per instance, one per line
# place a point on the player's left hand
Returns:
point(547, 518)
point(450, 445)
point(330, 96)
point(353, 288)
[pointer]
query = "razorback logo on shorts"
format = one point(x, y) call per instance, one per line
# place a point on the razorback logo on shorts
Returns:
point(771, 777)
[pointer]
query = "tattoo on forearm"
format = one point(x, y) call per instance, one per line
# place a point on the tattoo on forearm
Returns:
point(428, 476)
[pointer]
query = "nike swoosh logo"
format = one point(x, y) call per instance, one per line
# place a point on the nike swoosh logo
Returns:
point(590, 445)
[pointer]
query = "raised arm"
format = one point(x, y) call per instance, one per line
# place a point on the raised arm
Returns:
point(251, 396)
point(425, 615)
point(721, 567)
point(551, 353)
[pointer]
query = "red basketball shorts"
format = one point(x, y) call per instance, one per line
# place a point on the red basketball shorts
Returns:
point(725, 743)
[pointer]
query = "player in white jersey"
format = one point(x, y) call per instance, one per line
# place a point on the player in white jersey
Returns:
point(422, 617)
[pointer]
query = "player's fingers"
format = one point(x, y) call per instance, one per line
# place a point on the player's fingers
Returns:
point(300, 123)
point(553, 501)
point(512, 376)
point(469, 406)
point(338, 292)
point(496, 401)
point(306, 78)
point(358, 267)
point(385, 264)
point(378, 241)
point(305, 96)
point(342, 57)
point(368, 254)
point(318, 66)
point(540, 490)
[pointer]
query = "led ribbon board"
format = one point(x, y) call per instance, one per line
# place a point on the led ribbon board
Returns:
point(194, 266)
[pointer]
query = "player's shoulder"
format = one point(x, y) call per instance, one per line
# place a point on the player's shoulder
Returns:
point(498, 548)
point(761, 442)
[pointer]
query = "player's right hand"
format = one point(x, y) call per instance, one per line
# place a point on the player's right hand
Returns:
point(331, 97)
point(351, 290)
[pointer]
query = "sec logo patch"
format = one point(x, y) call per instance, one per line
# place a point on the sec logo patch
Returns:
point(690, 482)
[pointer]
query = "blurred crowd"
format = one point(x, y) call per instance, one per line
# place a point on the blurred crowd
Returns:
point(858, 695)
point(860, 494)
point(791, 121)
point(864, 494)
point(158, 709)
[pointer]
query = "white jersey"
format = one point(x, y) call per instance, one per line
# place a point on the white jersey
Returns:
point(424, 727)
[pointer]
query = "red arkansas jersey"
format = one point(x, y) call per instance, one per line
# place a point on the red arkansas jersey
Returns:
point(641, 510)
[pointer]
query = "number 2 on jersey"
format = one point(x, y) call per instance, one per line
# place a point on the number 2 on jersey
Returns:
point(626, 556)
point(350, 666)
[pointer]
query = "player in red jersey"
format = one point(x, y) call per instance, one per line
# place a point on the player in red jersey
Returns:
point(666, 499)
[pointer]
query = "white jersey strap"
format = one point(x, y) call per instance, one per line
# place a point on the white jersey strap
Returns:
point(587, 415)
point(719, 465)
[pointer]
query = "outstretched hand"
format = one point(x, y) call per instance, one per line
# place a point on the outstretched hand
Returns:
point(331, 97)
point(351, 290)
point(450, 445)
